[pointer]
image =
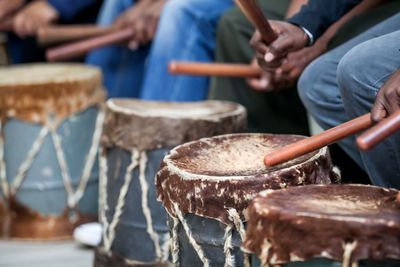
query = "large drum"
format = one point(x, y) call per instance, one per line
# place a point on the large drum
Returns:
point(50, 127)
point(318, 225)
point(137, 136)
point(205, 186)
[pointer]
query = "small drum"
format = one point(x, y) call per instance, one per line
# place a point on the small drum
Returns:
point(205, 186)
point(137, 135)
point(318, 225)
point(50, 127)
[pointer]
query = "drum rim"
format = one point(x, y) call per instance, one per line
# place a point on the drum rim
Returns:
point(187, 175)
point(319, 215)
point(237, 109)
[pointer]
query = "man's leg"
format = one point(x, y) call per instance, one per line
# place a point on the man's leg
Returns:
point(122, 68)
point(361, 73)
point(318, 87)
point(267, 112)
point(186, 31)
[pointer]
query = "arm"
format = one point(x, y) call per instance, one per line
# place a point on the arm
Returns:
point(294, 7)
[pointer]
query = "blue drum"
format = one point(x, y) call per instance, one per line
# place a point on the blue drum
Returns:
point(50, 129)
point(137, 135)
point(206, 185)
point(325, 226)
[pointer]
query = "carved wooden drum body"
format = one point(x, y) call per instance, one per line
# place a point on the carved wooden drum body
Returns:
point(50, 131)
point(330, 225)
point(137, 135)
point(205, 186)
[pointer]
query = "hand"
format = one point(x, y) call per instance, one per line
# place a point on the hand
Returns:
point(7, 7)
point(290, 38)
point(35, 15)
point(288, 73)
point(143, 19)
point(388, 99)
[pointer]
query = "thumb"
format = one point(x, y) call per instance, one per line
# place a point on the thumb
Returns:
point(279, 48)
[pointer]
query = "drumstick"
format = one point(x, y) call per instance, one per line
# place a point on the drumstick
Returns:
point(379, 132)
point(80, 48)
point(254, 14)
point(318, 141)
point(56, 34)
point(208, 69)
point(6, 26)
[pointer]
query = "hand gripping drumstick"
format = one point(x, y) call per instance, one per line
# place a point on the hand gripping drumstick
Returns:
point(379, 132)
point(80, 48)
point(56, 34)
point(210, 69)
point(254, 14)
point(318, 141)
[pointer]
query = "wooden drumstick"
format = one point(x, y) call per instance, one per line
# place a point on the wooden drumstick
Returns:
point(214, 69)
point(80, 48)
point(379, 132)
point(57, 34)
point(255, 15)
point(318, 141)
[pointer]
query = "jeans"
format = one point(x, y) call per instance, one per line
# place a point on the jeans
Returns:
point(343, 83)
point(186, 31)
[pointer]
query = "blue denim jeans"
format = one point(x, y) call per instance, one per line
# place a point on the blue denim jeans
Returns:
point(186, 31)
point(343, 84)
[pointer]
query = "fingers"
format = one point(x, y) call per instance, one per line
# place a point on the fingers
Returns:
point(260, 84)
point(378, 112)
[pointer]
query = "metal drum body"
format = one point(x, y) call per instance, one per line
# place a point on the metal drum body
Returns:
point(43, 151)
point(206, 185)
point(137, 135)
point(325, 226)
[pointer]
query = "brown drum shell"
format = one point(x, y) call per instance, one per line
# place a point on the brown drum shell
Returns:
point(297, 224)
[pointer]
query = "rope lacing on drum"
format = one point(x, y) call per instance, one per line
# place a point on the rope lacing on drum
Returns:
point(348, 249)
point(138, 159)
point(235, 218)
point(73, 197)
point(189, 235)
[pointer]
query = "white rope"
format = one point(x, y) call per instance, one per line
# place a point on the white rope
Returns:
point(166, 247)
point(63, 167)
point(145, 206)
point(103, 206)
point(3, 174)
point(25, 166)
point(175, 242)
point(348, 249)
point(229, 258)
point(91, 157)
point(110, 235)
point(265, 253)
point(235, 218)
point(192, 241)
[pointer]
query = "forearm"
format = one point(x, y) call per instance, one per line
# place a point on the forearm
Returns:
point(318, 15)
point(357, 10)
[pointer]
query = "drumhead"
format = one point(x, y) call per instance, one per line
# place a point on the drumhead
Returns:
point(233, 155)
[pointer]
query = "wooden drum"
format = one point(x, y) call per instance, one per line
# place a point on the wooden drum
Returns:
point(330, 225)
point(205, 186)
point(137, 135)
point(50, 127)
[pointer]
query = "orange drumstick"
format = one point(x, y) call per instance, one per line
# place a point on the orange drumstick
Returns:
point(379, 132)
point(318, 141)
point(214, 69)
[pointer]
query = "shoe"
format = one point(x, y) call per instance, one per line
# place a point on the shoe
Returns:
point(88, 234)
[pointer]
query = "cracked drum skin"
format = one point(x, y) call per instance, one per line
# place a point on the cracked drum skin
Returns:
point(137, 135)
point(325, 225)
point(50, 124)
point(206, 185)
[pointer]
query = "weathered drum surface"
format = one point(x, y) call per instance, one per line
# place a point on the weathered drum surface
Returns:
point(346, 223)
point(137, 135)
point(50, 132)
point(205, 186)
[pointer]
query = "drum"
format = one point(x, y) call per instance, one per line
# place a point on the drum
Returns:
point(50, 127)
point(137, 135)
point(324, 225)
point(205, 186)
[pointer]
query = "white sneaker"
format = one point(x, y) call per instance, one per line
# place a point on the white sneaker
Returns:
point(88, 234)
